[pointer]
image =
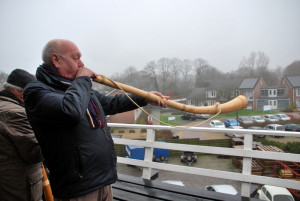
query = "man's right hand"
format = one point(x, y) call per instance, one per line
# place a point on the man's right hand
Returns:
point(83, 71)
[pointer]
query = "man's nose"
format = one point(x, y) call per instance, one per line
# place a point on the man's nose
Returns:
point(80, 64)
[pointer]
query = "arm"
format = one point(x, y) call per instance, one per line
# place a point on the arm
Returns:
point(18, 130)
point(46, 105)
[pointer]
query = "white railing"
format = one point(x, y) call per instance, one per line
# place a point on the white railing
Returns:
point(247, 153)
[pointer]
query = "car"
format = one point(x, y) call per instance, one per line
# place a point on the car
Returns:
point(276, 127)
point(222, 188)
point(202, 116)
point(231, 122)
point(174, 182)
point(244, 120)
point(291, 127)
point(236, 135)
point(257, 128)
point(293, 115)
point(274, 193)
point(216, 124)
point(270, 118)
point(188, 116)
point(188, 157)
point(282, 117)
point(257, 119)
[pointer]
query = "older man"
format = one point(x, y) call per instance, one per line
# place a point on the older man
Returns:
point(68, 118)
point(20, 155)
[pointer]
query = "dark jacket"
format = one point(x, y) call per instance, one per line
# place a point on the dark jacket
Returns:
point(81, 159)
point(20, 154)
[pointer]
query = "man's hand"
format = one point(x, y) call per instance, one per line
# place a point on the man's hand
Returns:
point(83, 71)
point(158, 102)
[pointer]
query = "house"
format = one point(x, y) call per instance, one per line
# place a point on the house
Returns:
point(250, 87)
point(292, 86)
point(227, 89)
point(129, 117)
point(275, 97)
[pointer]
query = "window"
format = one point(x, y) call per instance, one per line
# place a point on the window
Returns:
point(280, 92)
point(264, 92)
point(211, 94)
point(297, 91)
point(269, 195)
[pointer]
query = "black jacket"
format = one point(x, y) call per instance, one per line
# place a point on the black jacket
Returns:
point(81, 159)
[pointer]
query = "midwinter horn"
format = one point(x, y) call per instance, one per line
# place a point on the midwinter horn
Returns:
point(236, 104)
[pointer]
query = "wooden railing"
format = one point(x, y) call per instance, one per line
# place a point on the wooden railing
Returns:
point(247, 154)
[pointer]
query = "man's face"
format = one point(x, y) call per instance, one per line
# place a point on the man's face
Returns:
point(69, 60)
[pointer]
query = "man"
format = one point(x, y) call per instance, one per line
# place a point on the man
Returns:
point(20, 155)
point(68, 119)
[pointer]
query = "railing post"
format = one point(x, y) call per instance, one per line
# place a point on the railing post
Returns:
point(148, 154)
point(247, 165)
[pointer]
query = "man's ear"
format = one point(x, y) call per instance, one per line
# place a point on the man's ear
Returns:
point(55, 59)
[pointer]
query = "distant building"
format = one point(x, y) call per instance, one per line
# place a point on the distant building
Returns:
point(129, 117)
point(292, 86)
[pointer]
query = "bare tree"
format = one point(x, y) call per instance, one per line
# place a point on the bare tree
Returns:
point(151, 70)
point(163, 66)
point(175, 67)
point(186, 68)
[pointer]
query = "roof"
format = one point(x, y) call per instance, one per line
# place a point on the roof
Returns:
point(198, 93)
point(249, 83)
point(293, 80)
point(275, 190)
point(226, 84)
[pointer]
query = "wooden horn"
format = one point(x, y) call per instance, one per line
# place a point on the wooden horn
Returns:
point(46, 186)
point(236, 104)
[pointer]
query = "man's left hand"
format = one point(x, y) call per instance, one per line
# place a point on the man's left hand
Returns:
point(158, 102)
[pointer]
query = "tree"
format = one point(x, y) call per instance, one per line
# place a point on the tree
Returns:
point(151, 70)
point(292, 69)
point(163, 66)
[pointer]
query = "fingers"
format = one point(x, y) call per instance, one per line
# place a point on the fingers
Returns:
point(85, 72)
point(159, 102)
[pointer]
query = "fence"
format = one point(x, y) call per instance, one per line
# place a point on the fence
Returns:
point(246, 153)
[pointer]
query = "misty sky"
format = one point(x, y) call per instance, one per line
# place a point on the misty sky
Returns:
point(115, 34)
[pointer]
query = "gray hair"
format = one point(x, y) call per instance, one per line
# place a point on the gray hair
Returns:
point(53, 46)
point(9, 87)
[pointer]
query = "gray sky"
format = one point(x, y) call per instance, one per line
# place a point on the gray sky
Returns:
point(115, 34)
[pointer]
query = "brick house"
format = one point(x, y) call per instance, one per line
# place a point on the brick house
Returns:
point(275, 97)
point(250, 87)
point(129, 117)
point(292, 86)
point(226, 90)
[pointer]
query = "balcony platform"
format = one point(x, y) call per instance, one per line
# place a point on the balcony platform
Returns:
point(138, 189)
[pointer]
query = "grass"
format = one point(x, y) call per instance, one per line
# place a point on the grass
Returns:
point(246, 113)
point(164, 119)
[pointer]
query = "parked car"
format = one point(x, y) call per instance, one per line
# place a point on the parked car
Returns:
point(236, 135)
point(293, 115)
point(291, 127)
point(244, 120)
point(270, 118)
point(282, 117)
point(188, 116)
point(231, 122)
point(222, 188)
point(216, 124)
point(274, 193)
point(276, 127)
point(188, 157)
point(174, 182)
point(202, 116)
point(257, 119)
point(257, 128)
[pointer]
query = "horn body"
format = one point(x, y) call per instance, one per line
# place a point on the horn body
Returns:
point(236, 104)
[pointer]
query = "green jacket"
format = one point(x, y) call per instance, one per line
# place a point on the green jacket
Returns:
point(20, 154)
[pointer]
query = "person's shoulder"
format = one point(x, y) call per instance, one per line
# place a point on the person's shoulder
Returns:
point(35, 84)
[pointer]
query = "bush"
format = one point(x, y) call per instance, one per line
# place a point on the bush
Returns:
point(292, 147)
